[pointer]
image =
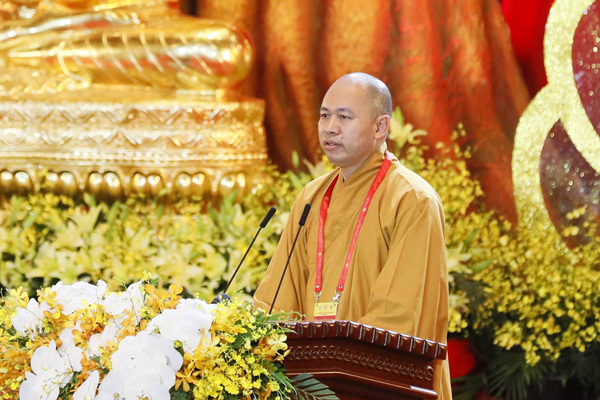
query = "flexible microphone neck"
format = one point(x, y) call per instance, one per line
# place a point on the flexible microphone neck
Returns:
point(300, 225)
point(265, 221)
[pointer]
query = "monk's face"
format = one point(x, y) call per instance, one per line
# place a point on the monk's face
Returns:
point(347, 126)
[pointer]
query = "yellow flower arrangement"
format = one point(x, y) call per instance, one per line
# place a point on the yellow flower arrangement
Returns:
point(45, 238)
point(84, 341)
point(531, 301)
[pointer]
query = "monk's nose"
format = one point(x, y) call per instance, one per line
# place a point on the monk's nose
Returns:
point(331, 126)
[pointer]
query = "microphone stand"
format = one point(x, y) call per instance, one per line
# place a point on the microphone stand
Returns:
point(301, 224)
point(265, 221)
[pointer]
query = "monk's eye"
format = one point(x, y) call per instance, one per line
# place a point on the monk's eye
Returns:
point(324, 116)
point(342, 116)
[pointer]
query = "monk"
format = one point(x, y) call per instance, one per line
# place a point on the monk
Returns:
point(396, 268)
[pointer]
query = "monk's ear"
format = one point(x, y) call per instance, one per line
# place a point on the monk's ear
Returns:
point(382, 125)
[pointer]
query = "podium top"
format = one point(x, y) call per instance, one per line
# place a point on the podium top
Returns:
point(367, 334)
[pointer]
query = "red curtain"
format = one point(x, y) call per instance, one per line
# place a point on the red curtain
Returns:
point(445, 61)
point(527, 22)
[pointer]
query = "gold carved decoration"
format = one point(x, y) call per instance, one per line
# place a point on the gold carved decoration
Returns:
point(118, 97)
point(559, 100)
point(207, 148)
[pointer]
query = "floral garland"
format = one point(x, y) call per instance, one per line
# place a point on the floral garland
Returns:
point(84, 341)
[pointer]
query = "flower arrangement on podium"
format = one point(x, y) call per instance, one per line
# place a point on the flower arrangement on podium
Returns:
point(84, 341)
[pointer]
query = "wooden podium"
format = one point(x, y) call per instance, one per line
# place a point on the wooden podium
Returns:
point(362, 362)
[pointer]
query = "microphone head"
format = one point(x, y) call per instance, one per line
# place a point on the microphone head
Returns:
point(267, 217)
point(304, 215)
point(220, 298)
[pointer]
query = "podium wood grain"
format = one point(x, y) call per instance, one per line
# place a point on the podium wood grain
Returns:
point(363, 362)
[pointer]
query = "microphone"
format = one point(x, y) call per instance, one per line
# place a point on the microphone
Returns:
point(300, 225)
point(264, 222)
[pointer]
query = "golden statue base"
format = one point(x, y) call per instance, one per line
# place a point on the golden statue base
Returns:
point(115, 149)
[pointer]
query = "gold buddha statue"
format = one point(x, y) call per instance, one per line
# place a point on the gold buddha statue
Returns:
point(121, 97)
point(49, 46)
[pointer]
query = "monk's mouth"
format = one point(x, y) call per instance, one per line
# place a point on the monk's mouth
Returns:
point(331, 144)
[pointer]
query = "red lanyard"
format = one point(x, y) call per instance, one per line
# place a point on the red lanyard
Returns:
point(321, 236)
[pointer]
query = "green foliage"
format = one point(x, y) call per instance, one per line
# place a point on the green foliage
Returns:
point(509, 378)
point(177, 395)
point(306, 387)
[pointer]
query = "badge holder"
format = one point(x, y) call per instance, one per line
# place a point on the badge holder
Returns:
point(326, 311)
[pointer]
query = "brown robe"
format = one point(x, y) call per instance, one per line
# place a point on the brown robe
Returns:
point(397, 279)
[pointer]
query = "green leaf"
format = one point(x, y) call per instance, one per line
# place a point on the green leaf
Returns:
point(163, 192)
point(201, 226)
point(16, 205)
point(179, 395)
point(228, 211)
point(110, 219)
point(112, 213)
point(306, 387)
point(30, 219)
point(467, 387)
point(397, 115)
point(295, 159)
point(194, 254)
point(470, 238)
point(214, 216)
point(479, 266)
point(89, 199)
point(125, 212)
point(509, 377)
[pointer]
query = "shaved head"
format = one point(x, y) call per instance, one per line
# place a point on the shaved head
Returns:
point(355, 120)
point(377, 91)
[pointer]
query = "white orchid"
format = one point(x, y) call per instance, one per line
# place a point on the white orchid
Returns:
point(69, 350)
point(50, 372)
point(28, 321)
point(132, 300)
point(195, 304)
point(143, 366)
point(87, 390)
point(116, 303)
point(109, 335)
point(138, 387)
point(78, 295)
point(97, 355)
point(188, 323)
point(133, 386)
point(135, 296)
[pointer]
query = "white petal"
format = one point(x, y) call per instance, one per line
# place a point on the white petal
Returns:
point(87, 390)
point(26, 391)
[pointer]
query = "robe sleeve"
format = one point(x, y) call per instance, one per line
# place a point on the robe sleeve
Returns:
point(411, 293)
point(293, 287)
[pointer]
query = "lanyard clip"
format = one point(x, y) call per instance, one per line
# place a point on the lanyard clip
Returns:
point(317, 295)
point(336, 298)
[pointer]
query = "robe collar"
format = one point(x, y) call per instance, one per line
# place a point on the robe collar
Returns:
point(371, 164)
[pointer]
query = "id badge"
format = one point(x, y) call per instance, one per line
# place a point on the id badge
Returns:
point(325, 311)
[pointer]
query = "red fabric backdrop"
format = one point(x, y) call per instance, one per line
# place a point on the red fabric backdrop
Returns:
point(446, 61)
point(527, 21)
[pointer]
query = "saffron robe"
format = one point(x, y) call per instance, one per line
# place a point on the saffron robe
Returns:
point(397, 278)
